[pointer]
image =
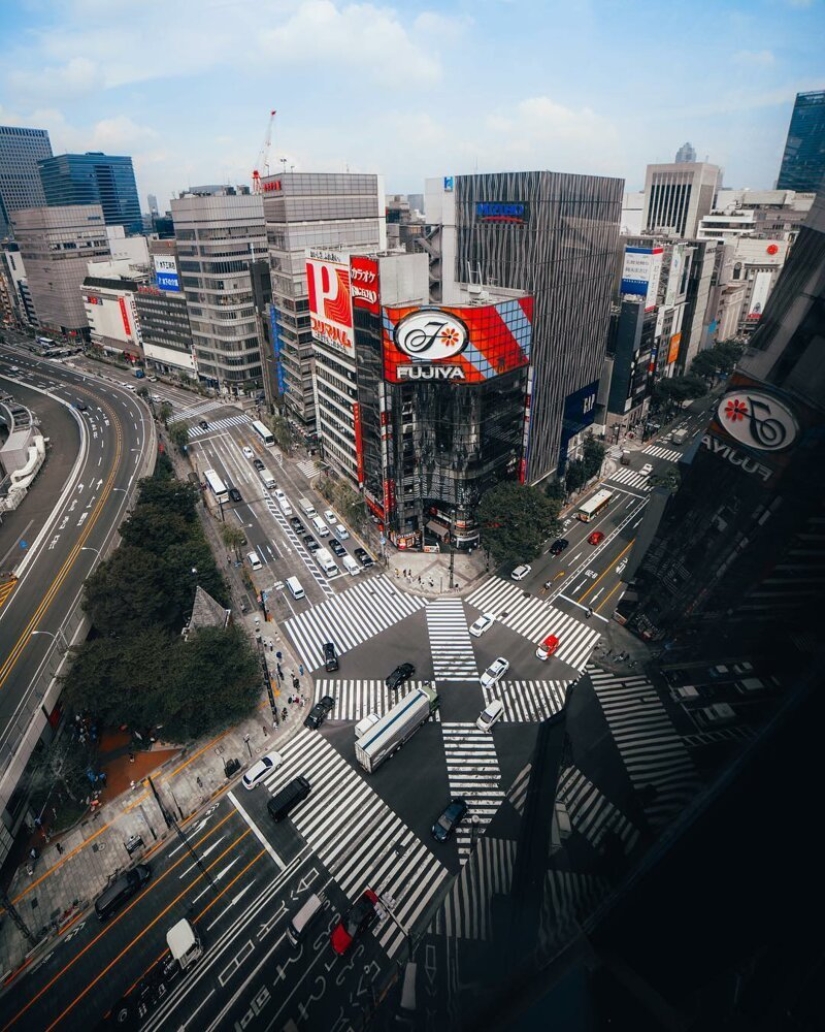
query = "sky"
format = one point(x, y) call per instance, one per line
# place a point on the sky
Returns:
point(411, 88)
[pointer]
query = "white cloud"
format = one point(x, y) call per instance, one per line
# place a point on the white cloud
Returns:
point(76, 78)
point(754, 58)
point(442, 26)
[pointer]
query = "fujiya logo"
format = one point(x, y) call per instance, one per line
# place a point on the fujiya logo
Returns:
point(757, 420)
point(431, 334)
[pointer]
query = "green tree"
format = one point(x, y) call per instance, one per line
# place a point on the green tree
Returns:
point(575, 476)
point(173, 496)
point(593, 457)
point(555, 491)
point(670, 478)
point(282, 432)
point(515, 520)
point(705, 365)
point(142, 392)
point(233, 537)
point(179, 435)
point(165, 413)
point(728, 353)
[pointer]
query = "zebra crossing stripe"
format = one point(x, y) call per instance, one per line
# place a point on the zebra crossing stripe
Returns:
point(660, 452)
point(630, 478)
point(349, 618)
point(517, 792)
point(355, 699)
point(353, 830)
point(450, 644)
point(465, 911)
point(654, 755)
point(473, 773)
point(312, 567)
point(529, 701)
point(591, 813)
point(218, 424)
point(196, 411)
point(535, 618)
point(308, 468)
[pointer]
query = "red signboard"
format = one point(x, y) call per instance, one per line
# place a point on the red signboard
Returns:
point(364, 283)
point(359, 442)
point(124, 314)
point(329, 302)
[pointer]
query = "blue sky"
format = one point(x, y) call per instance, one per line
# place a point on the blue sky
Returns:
point(411, 89)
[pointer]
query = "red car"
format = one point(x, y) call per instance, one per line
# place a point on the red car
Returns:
point(354, 923)
point(595, 538)
point(547, 647)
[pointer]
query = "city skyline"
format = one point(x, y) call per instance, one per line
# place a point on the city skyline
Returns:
point(432, 84)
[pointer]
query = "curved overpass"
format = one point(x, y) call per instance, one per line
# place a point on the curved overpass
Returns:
point(52, 542)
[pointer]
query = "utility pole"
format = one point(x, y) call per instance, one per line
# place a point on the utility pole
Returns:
point(172, 823)
point(22, 927)
point(452, 547)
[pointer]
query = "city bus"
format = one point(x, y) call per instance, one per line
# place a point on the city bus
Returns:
point(590, 509)
point(262, 432)
point(216, 486)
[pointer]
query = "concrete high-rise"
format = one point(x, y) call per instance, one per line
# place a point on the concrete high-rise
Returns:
point(311, 213)
point(803, 163)
point(94, 178)
point(20, 186)
point(678, 196)
point(554, 236)
point(218, 236)
point(56, 245)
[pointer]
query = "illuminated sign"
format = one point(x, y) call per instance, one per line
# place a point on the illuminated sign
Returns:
point(758, 420)
point(330, 312)
point(269, 185)
point(512, 212)
point(363, 283)
point(431, 334)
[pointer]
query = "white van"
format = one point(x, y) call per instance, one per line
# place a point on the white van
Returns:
point(299, 925)
point(267, 479)
point(321, 527)
point(341, 531)
point(254, 561)
point(490, 715)
point(306, 506)
point(294, 586)
point(350, 565)
point(283, 501)
point(324, 559)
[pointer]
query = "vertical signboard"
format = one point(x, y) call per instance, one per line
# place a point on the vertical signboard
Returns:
point(124, 314)
point(330, 311)
point(359, 442)
point(759, 295)
point(364, 284)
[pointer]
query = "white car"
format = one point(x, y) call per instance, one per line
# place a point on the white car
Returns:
point(647, 469)
point(494, 672)
point(248, 453)
point(490, 715)
point(521, 572)
point(341, 531)
point(330, 517)
point(482, 624)
point(258, 771)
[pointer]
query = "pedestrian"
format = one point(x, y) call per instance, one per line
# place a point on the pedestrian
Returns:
point(131, 756)
point(280, 672)
point(198, 781)
point(59, 849)
point(289, 700)
point(38, 822)
point(33, 853)
point(300, 669)
point(102, 778)
point(266, 730)
point(279, 656)
point(284, 713)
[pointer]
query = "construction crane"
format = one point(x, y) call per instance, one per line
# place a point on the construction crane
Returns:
point(263, 157)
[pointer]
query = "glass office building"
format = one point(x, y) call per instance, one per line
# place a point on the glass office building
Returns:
point(94, 178)
point(803, 163)
point(20, 186)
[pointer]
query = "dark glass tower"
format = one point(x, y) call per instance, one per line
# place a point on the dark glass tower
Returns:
point(94, 178)
point(803, 164)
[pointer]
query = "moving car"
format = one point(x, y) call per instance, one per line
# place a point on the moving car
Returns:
point(490, 715)
point(482, 624)
point(360, 916)
point(310, 542)
point(336, 546)
point(248, 453)
point(330, 517)
point(330, 657)
point(559, 546)
point(595, 538)
point(403, 672)
point(235, 494)
point(647, 469)
point(341, 531)
point(449, 818)
point(258, 771)
point(547, 647)
point(258, 464)
point(318, 714)
point(494, 672)
point(521, 572)
point(296, 525)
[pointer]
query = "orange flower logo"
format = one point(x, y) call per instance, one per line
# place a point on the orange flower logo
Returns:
point(736, 410)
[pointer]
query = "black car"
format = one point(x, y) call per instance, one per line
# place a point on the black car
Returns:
point(297, 526)
point(203, 425)
point(318, 714)
point(330, 657)
point(310, 542)
point(258, 464)
point(559, 546)
point(402, 673)
point(336, 546)
point(364, 558)
point(448, 819)
point(235, 494)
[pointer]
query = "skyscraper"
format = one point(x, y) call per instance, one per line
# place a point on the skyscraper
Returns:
point(20, 186)
point(94, 178)
point(678, 196)
point(685, 154)
point(803, 163)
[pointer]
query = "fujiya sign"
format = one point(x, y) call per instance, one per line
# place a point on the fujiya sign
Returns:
point(432, 335)
point(757, 420)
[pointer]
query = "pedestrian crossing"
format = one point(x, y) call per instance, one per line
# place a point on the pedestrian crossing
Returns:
point(517, 792)
point(657, 760)
point(529, 701)
point(658, 451)
point(535, 618)
point(355, 699)
point(304, 553)
point(473, 773)
point(450, 643)
point(196, 411)
point(361, 841)
point(218, 424)
point(568, 899)
point(591, 813)
point(630, 478)
point(466, 910)
point(308, 468)
point(350, 618)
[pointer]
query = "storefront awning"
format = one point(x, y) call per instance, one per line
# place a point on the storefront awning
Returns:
point(438, 529)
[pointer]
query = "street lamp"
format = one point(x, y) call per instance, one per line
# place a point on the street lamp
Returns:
point(88, 548)
point(62, 644)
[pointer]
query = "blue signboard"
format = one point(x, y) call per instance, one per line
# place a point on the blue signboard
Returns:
point(579, 412)
point(168, 281)
point(276, 349)
point(511, 212)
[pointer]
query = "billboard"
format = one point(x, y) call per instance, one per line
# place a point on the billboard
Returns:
point(641, 273)
point(457, 344)
point(330, 311)
point(673, 350)
point(759, 295)
point(166, 273)
point(364, 283)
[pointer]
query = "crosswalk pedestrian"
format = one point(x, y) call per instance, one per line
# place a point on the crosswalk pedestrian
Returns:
point(308, 468)
point(659, 451)
point(529, 701)
point(630, 478)
point(350, 618)
point(591, 813)
point(657, 761)
point(358, 838)
point(218, 424)
point(535, 618)
point(450, 642)
point(355, 699)
point(465, 912)
point(474, 774)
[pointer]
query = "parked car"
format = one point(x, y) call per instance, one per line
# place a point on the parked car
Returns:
point(521, 572)
point(559, 546)
point(449, 818)
point(258, 771)
point(336, 546)
point(363, 557)
point(360, 916)
point(318, 714)
point(235, 494)
point(494, 672)
point(595, 538)
point(330, 657)
point(403, 672)
point(310, 542)
point(482, 624)
point(248, 453)
point(258, 464)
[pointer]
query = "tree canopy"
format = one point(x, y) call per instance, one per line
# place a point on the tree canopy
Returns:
point(515, 521)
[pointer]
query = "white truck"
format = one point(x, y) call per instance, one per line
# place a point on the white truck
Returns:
point(184, 944)
point(323, 557)
point(396, 727)
point(267, 479)
point(679, 436)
